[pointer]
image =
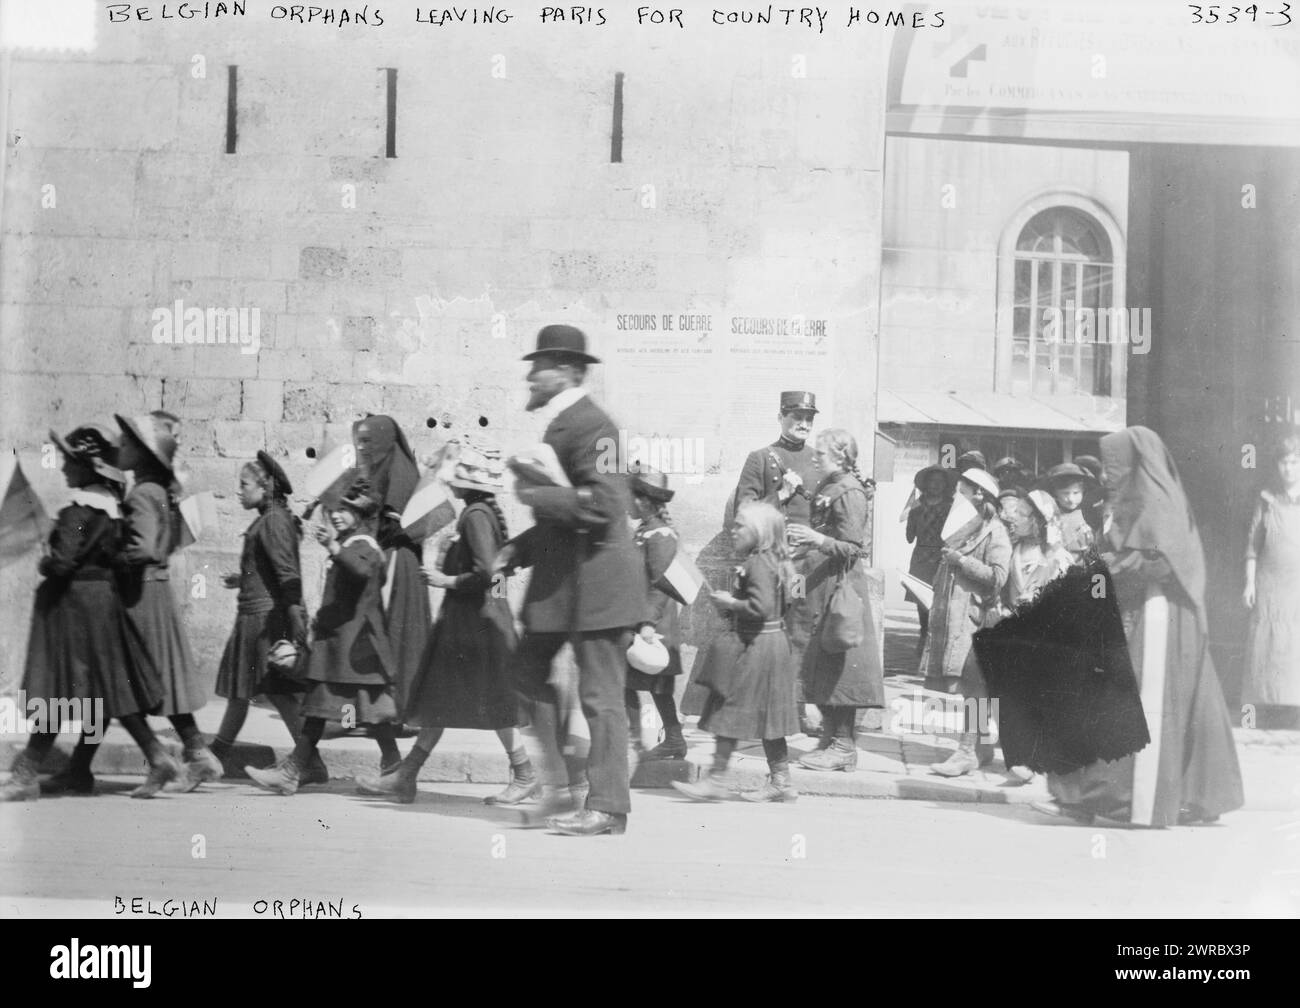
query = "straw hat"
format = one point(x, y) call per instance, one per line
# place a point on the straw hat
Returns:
point(95, 445)
point(479, 467)
point(153, 435)
point(981, 479)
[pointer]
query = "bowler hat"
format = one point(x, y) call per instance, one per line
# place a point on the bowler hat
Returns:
point(564, 341)
point(791, 401)
point(281, 482)
point(151, 434)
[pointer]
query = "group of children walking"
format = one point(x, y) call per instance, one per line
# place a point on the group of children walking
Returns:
point(106, 623)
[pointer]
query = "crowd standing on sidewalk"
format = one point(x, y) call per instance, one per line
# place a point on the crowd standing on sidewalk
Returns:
point(801, 649)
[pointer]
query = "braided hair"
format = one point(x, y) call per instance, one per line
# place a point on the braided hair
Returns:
point(482, 497)
point(844, 447)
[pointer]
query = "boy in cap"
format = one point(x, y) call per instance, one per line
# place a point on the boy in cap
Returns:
point(1068, 484)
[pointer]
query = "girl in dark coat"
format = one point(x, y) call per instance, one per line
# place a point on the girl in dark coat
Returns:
point(350, 669)
point(657, 541)
point(153, 526)
point(386, 461)
point(749, 669)
point(81, 645)
point(270, 609)
point(839, 682)
point(466, 679)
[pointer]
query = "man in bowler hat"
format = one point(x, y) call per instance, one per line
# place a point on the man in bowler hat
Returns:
point(587, 585)
point(783, 474)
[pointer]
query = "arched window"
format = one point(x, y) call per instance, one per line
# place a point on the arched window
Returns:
point(1063, 308)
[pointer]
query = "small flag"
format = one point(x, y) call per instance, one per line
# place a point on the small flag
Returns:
point(682, 580)
point(199, 512)
point(329, 471)
point(922, 591)
point(430, 507)
point(23, 521)
point(962, 522)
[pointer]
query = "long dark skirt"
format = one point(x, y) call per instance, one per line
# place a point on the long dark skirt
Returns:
point(407, 621)
point(82, 646)
point(156, 616)
point(351, 704)
point(243, 673)
point(751, 682)
point(466, 680)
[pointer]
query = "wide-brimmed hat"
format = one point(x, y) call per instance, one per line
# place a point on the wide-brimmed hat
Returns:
point(479, 467)
point(1011, 490)
point(652, 485)
point(1068, 472)
point(949, 476)
point(791, 401)
point(1089, 464)
point(983, 480)
point(1009, 462)
point(95, 445)
point(279, 480)
point(564, 341)
point(359, 498)
point(973, 459)
point(151, 434)
point(1042, 502)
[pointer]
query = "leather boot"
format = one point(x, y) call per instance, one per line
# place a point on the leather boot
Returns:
point(282, 779)
point(315, 772)
point(398, 783)
point(160, 775)
point(961, 762)
point(779, 787)
point(523, 781)
point(554, 801)
point(672, 747)
point(201, 765)
point(706, 789)
point(24, 780)
point(841, 754)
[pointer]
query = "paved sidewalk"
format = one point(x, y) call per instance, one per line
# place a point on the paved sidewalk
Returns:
point(895, 751)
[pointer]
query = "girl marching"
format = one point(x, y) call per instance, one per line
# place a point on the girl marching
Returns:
point(466, 680)
point(153, 526)
point(657, 541)
point(81, 645)
point(350, 670)
point(270, 610)
point(749, 669)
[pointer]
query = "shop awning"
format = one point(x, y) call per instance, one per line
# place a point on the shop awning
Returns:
point(1002, 411)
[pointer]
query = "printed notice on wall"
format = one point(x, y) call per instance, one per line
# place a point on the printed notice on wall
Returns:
point(665, 372)
point(767, 355)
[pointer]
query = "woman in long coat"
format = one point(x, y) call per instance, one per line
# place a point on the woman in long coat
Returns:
point(966, 598)
point(388, 463)
point(966, 586)
point(839, 682)
point(1188, 772)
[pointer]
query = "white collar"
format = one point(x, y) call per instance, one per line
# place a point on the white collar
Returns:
point(97, 498)
point(559, 403)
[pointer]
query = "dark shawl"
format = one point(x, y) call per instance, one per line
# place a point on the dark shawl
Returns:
point(1060, 670)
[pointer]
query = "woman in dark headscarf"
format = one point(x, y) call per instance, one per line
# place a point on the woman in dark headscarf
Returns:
point(1188, 772)
point(388, 463)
